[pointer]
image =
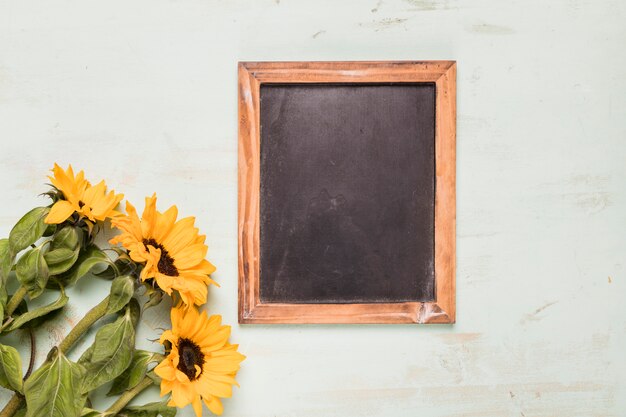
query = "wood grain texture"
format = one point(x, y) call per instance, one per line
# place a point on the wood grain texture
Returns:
point(250, 77)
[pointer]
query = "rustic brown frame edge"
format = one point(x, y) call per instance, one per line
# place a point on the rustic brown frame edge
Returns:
point(250, 77)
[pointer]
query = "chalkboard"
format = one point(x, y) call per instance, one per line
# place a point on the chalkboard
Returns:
point(346, 203)
point(347, 193)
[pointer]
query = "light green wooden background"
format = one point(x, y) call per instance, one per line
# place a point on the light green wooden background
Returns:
point(143, 93)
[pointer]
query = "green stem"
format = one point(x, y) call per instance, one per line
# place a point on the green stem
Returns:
point(14, 404)
point(66, 345)
point(126, 397)
point(17, 400)
point(83, 325)
point(16, 300)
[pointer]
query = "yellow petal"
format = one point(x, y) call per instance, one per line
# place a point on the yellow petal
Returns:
point(223, 364)
point(166, 386)
point(169, 336)
point(165, 370)
point(211, 386)
point(92, 194)
point(214, 404)
point(59, 212)
point(191, 289)
point(166, 283)
point(182, 234)
point(148, 218)
point(190, 256)
point(165, 223)
point(182, 394)
point(197, 406)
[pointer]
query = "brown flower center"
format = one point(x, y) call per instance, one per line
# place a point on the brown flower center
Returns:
point(166, 262)
point(190, 356)
point(81, 204)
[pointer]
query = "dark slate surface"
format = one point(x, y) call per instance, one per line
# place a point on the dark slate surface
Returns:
point(347, 193)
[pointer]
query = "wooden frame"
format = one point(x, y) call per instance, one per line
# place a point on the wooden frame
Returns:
point(251, 76)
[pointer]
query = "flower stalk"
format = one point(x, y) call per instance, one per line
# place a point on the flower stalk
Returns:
point(83, 325)
point(15, 301)
point(14, 404)
point(125, 398)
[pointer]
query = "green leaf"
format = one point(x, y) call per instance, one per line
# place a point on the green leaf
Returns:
point(61, 260)
point(54, 389)
point(111, 354)
point(32, 272)
point(134, 374)
point(39, 312)
point(85, 358)
point(134, 311)
point(20, 413)
point(66, 238)
point(6, 260)
point(50, 229)
point(154, 299)
point(88, 259)
point(149, 410)
point(10, 368)
point(88, 412)
point(30, 228)
point(122, 289)
point(64, 250)
point(4, 298)
point(124, 265)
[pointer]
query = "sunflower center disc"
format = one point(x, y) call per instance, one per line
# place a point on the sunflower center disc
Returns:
point(190, 356)
point(166, 262)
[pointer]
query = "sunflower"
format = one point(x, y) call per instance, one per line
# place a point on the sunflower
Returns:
point(172, 251)
point(79, 196)
point(201, 364)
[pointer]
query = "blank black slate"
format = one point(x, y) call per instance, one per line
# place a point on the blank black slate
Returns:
point(347, 193)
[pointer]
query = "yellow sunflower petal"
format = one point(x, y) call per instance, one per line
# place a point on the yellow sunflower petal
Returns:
point(102, 204)
point(223, 363)
point(164, 223)
point(182, 377)
point(165, 370)
point(191, 289)
point(190, 256)
point(169, 336)
point(71, 186)
point(61, 180)
point(151, 269)
point(182, 394)
point(130, 224)
point(177, 316)
point(214, 404)
point(205, 267)
point(166, 387)
point(197, 406)
point(166, 283)
point(92, 194)
point(148, 218)
point(182, 234)
point(209, 385)
point(59, 212)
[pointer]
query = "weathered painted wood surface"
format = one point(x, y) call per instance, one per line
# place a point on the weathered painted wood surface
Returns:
point(145, 94)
